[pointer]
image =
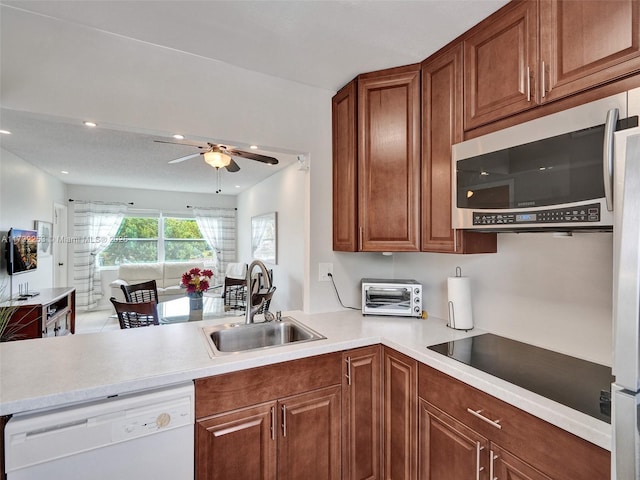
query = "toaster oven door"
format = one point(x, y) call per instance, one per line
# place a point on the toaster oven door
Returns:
point(387, 299)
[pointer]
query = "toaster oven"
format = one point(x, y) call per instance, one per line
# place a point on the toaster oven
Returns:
point(391, 297)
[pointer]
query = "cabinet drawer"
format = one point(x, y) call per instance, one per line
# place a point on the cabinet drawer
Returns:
point(234, 390)
point(550, 449)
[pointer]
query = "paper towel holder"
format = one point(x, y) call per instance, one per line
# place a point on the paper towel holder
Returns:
point(451, 308)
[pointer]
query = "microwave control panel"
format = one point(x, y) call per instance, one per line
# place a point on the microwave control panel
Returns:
point(584, 213)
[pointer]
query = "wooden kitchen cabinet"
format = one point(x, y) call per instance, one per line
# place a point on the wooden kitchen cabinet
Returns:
point(238, 444)
point(526, 447)
point(442, 117)
point(51, 313)
point(309, 436)
point(448, 450)
point(536, 51)
point(400, 416)
point(345, 169)
point(361, 414)
point(389, 160)
point(278, 421)
point(376, 162)
point(585, 44)
point(500, 59)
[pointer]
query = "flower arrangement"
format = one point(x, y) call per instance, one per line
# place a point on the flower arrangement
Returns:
point(196, 280)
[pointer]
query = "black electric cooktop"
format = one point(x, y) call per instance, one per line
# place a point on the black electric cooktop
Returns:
point(579, 384)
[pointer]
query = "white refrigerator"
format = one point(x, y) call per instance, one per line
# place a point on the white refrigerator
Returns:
point(625, 455)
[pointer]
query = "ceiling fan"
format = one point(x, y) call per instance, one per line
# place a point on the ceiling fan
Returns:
point(219, 156)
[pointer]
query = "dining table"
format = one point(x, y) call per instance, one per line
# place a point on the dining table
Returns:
point(179, 310)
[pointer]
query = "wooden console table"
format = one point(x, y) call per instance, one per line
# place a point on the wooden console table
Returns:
point(52, 313)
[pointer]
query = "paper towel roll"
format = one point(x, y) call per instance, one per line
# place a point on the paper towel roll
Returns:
point(459, 296)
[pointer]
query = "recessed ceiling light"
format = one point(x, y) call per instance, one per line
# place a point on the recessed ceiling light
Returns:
point(64, 172)
point(237, 186)
point(253, 147)
point(5, 132)
point(177, 136)
point(90, 124)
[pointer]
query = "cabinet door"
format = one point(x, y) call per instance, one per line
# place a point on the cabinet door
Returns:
point(361, 414)
point(505, 465)
point(585, 44)
point(500, 61)
point(400, 411)
point(309, 443)
point(448, 450)
point(345, 173)
point(238, 444)
point(442, 112)
point(389, 160)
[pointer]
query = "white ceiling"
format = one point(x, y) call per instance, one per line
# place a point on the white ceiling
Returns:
point(322, 44)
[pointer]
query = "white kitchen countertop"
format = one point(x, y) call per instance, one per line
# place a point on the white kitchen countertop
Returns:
point(50, 372)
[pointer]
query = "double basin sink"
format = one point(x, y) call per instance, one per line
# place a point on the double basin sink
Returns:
point(240, 337)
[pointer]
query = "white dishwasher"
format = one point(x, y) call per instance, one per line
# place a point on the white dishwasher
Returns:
point(143, 435)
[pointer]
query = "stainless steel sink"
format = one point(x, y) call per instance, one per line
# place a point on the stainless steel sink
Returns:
point(240, 337)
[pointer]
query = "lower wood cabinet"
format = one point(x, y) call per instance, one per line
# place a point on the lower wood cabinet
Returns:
point(400, 381)
point(279, 421)
point(373, 413)
point(465, 433)
point(361, 414)
point(449, 450)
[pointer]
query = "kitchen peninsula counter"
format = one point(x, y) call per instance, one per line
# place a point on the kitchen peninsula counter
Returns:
point(46, 373)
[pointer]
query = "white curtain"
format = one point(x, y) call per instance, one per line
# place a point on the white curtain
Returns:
point(218, 227)
point(95, 226)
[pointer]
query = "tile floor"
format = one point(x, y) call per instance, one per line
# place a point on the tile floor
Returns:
point(96, 321)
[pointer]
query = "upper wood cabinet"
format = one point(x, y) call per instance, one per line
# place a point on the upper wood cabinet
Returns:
point(442, 112)
point(535, 51)
point(376, 162)
point(584, 44)
point(500, 58)
point(389, 160)
point(345, 171)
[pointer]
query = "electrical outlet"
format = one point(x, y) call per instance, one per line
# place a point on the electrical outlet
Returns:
point(324, 269)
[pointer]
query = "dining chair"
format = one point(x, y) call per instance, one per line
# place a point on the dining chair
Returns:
point(141, 292)
point(136, 314)
point(234, 294)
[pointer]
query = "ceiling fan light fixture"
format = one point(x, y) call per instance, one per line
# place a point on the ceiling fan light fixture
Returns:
point(217, 159)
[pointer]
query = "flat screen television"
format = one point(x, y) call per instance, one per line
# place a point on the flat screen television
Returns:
point(22, 251)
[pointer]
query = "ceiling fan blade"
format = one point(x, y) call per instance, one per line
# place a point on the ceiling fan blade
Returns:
point(186, 157)
point(178, 143)
point(253, 156)
point(233, 167)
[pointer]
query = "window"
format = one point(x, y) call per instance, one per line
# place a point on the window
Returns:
point(183, 240)
point(155, 239)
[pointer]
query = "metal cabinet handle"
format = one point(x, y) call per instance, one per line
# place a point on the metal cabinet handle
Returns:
point(478, 413)
point(543, 80)
point(491, 465)
point(348, 375)
point(528, 84)
point(478, 467)
point(284, 420)
point(273, 423)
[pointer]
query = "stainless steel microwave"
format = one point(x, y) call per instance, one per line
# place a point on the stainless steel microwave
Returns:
point(552, 173)
point(391, 297)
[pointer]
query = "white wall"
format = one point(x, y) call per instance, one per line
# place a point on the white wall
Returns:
point(284, 194)
point(26, 194)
